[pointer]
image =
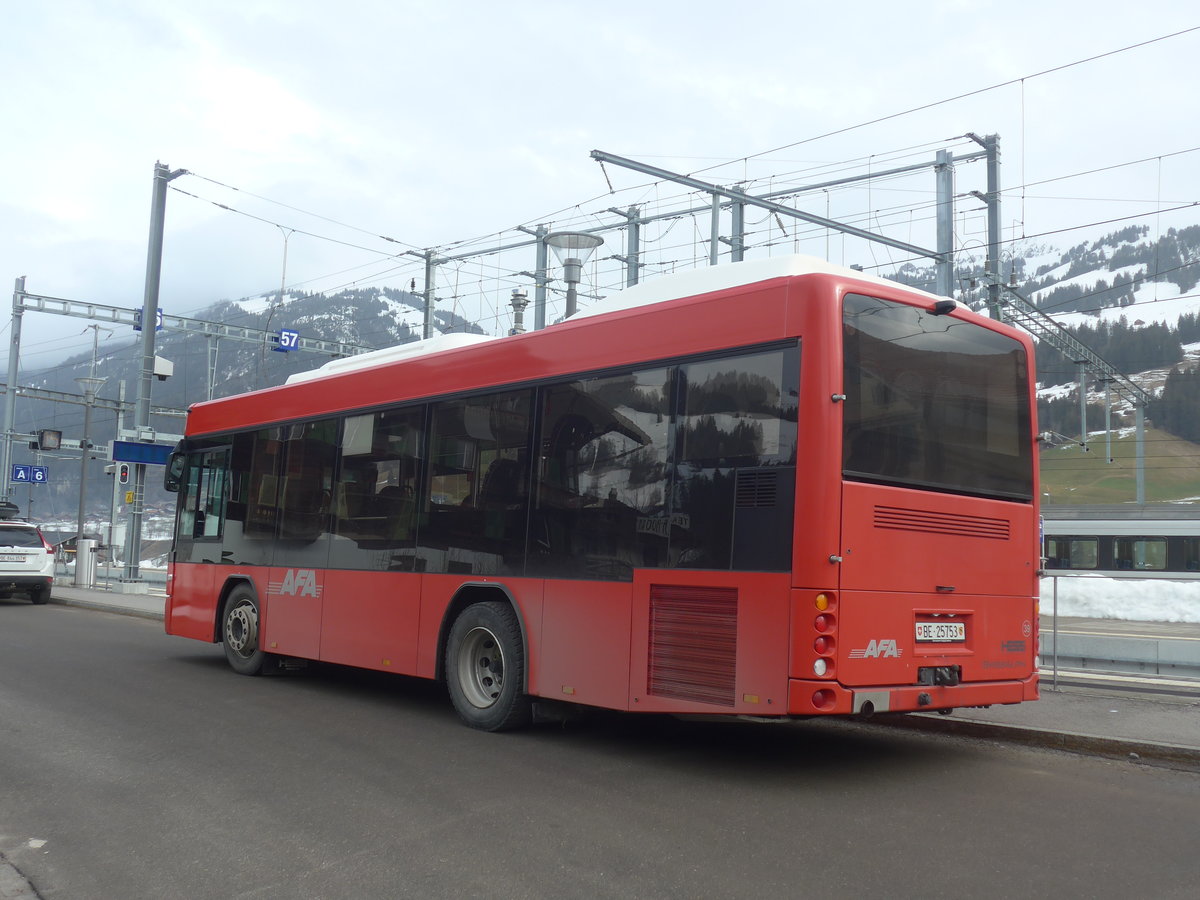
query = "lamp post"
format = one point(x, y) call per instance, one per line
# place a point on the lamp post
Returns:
point(572, 248)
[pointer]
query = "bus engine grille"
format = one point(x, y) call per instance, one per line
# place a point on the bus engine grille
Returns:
point(693, 643)
point(901, 519)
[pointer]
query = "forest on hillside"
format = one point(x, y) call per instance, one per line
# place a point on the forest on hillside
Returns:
point(1128, 257)
point(1131, 350)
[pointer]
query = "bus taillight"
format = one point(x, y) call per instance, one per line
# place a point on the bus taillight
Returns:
point(825, 643)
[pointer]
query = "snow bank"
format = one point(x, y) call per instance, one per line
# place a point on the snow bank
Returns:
point(1129, 599)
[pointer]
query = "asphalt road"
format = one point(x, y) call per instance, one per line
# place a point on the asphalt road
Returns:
point(135, 765)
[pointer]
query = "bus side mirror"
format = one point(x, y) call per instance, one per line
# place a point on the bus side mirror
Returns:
point(173, 475)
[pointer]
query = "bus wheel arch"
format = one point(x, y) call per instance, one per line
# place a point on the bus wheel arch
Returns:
point(483, 658)
point(238, 627)
point(218, 633)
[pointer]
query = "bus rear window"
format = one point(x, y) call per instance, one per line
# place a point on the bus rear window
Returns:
point(934, 402)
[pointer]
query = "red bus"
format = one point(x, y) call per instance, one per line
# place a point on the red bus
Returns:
point(767, 489)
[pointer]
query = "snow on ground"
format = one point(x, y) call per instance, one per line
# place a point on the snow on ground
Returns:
point(1088, 280)
point(1154, 301)
point(1058, 391)
point(254, 305)
point(1128, 599)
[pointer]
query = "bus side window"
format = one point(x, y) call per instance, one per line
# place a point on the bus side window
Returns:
point(306, 485)
point(381, 459)
point(474, 509)
point(603, 476)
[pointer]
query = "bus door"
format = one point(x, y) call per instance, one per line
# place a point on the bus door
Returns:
point(292, 605)
point(372, 589)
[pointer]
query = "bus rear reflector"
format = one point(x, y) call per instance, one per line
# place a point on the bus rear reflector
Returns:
point(824, 699)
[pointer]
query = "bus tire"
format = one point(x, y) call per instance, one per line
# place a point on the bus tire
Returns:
point(485, 668)
point(240, 632)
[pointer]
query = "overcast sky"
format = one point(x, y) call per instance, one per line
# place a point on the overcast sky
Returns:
point(438, 123)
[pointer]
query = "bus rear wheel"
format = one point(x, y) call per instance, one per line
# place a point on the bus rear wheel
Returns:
point(239, 632)
point(485, 668)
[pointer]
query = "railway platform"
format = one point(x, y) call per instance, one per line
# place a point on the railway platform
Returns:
point(1146, 718)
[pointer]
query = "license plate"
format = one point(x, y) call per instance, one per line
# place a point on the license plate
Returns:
point(11, 557)
point(941, 632)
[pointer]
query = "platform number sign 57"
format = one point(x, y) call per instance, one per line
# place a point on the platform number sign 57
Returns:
point(288, 341)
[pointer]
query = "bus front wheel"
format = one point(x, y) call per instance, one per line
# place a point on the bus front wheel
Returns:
point(485, 668)
point(239, 632)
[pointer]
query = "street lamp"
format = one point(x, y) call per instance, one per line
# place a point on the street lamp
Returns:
point(572, 249)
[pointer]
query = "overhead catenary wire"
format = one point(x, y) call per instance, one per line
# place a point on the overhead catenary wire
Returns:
point(582, 211)
point(973, 93)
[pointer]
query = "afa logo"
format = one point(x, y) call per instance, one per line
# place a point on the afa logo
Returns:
point(878, 649)
point(296, 583)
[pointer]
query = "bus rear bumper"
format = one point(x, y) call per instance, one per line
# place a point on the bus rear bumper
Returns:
point(815, 698)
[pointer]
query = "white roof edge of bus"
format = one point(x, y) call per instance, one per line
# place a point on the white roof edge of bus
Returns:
point(724, 276)
point(435, 344)
point(657, 290)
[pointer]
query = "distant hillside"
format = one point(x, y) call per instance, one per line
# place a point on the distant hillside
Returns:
point(1071, 477)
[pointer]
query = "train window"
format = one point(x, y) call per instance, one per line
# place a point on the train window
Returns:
point(1140, 553)
point(1072, 553)
point(1191, 554)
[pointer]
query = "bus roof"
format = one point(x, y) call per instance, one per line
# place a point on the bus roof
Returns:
point(658, 290)
point(718, 278)
point(434, 344)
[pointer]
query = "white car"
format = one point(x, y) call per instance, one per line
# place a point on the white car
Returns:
point(26, 561)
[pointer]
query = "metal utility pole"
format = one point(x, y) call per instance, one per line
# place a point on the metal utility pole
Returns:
point(714, 237)
point(90, 385)
point(944, 174)
point(431, 261)
point(540, 279)
point(1083, 431)
point(10, 398)
point(991, 146)
point(427, 325)
point(141, 423)
point(633, 243)
point(1139, 418)
point(737, 240)
point(1108, 457)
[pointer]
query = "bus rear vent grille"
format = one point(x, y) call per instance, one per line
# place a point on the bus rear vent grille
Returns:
point(756, 489)
point(900, 519)
point(693, 643)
